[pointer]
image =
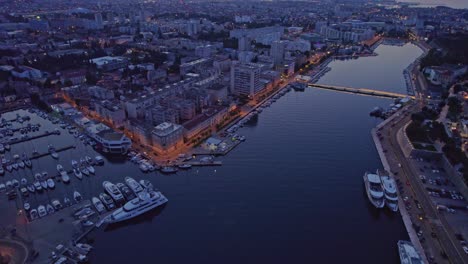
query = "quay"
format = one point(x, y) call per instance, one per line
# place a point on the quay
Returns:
point(401, 205)
point(363, 91)
point(199, 163)
point(32, 138)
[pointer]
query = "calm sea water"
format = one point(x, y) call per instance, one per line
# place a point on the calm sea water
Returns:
point(457, 4)
point(292, 193)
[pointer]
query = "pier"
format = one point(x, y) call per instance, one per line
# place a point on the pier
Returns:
point(32, 138)
point(212, 163)
point(363, 91)
point(37, 156)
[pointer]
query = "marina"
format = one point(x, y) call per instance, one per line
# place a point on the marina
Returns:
point(53, 188)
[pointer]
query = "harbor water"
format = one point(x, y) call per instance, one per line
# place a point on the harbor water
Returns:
point(292, 193)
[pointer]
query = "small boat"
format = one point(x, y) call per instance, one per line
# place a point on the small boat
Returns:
point(24, 181)
point(24, 191)
point(66, 201)
point(38, 176)
point(77, 196)
point(37, 186)
point(56, 204)
point(91, 169)
point(50, 209)
point(33, 215)
point(26, 206)
point(9, 168)
point(44, 184)
point(99, 160)
point(78, 173)
point(9, 185)
point(7, 147)
point(89, 160)
point(50, 183)
point(2, 171)
point(85, 171)
point(28, 163)
point(2, 187)
point(74, 163)
point(21, 164)
point(42, 211)
point(54, 155)
point(98, 205)
point(44, 175)
point(31, 188)
point(107, 201)
point(146, 184)
point(60, 168)
point(184, 166)
point(65, 178)
point(143, 167)
point(169, 169)
point(15, 183)
point(87, 223)
point(84, 247)
point(15, 166)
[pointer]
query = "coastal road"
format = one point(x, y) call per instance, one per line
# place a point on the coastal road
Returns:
point(437, 236)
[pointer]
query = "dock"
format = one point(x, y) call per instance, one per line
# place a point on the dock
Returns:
point(212, 163)
point(32, 138)
point(37, 156)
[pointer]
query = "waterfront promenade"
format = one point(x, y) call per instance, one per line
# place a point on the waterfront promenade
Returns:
point(435, 237)
point(386, 164)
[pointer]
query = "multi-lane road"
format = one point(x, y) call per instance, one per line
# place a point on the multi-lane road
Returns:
point(437, 237)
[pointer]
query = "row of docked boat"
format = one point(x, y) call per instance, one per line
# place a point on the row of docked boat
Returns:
point(48, 209)
point(381, 190)
point(146, 165)
point(15, 164)
point(40, 183)
point(135, 198)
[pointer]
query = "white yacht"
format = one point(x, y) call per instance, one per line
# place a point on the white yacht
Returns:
point(63, 174)
point(113, 191)
point(98, 205)
point(77, 173)
point(91, 169)
point(145, 202)
point(133, 185)
point(374, 189)
point(408, 254)
point(50, 183)
point(390, 191)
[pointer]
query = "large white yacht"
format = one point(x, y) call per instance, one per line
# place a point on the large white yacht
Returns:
point(374, 189)
point(113, 191)
point(408, 254)
point(391, 195)
point(144, 202)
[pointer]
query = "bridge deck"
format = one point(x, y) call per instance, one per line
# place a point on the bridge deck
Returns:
point(364, 91)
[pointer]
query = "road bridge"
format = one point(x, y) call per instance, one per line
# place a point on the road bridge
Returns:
point(363, 91)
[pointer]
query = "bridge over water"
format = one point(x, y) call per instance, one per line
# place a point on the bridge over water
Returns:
point(363, 91)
